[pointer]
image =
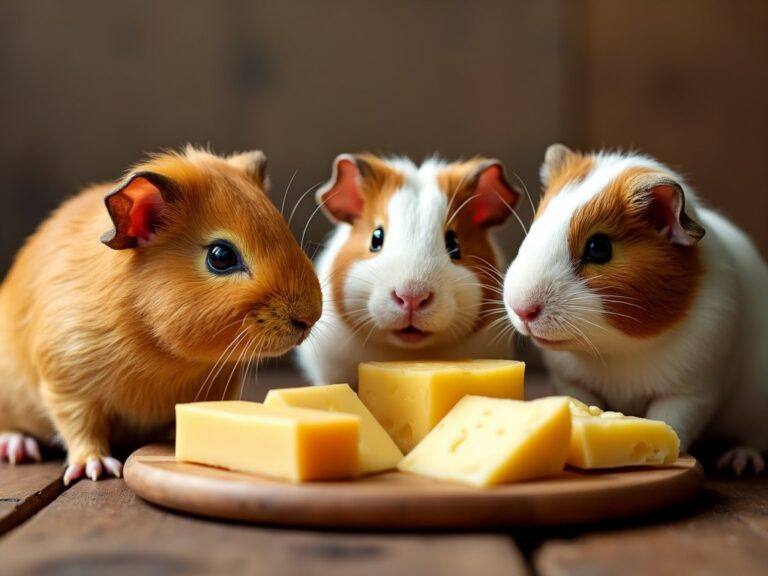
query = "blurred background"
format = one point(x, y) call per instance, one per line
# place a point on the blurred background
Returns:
point(88, 87)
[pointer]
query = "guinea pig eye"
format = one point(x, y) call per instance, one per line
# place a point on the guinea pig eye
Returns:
point(452, 245)
point(598, 249)
point(377, 239)
point(223, 258)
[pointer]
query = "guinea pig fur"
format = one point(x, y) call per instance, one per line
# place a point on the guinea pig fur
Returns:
point(637, 309)
point(99, 340)
point(411, 269)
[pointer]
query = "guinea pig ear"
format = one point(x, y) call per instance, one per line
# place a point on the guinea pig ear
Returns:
point(341, 198)
point(136, 208)
point(254, 164)
point(493, 196)
point(665, 208)
point(554, 159)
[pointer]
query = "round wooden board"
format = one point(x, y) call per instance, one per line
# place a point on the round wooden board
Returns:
point(402, 501)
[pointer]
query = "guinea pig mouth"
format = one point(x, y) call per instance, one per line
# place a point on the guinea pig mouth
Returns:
point(411, 335)
point(548, 343)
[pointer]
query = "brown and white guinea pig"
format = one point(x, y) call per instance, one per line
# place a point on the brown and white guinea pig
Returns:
point(99, 340)
point(637, 309)
point(411, 269)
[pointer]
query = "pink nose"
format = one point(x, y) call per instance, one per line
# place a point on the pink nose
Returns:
point(411, 300)
point(527, 313)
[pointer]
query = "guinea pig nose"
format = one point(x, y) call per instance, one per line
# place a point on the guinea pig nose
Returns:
point(527, 313)
point(302, 323)
point(412, 300)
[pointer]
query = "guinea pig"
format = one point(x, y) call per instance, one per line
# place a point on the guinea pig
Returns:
point(636, 309)
point(411, 269)
point(196, 271)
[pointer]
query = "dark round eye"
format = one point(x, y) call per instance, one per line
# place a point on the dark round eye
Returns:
point(452, 245)
point(377, 239)
point(598, 249)
point(223, 258)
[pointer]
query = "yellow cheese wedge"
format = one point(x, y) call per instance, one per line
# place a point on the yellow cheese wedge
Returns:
point(410, 398)
point(291, 443)
point(377, 451)
point(486, 441)
point(610, 439)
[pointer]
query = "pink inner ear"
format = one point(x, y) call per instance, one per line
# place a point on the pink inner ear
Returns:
point(146, 208)
point(666, 207)
point(495, 198)
point(344, 199)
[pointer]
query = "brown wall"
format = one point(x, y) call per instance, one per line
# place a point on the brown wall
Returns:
point(87, 87)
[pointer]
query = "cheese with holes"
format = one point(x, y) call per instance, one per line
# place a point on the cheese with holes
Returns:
point(296, 444)
point(410, 398)
point(486, 441)
point(376, 450)
point(610, 439)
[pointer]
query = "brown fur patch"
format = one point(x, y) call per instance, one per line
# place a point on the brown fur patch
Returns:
point(477, 253)
point(652, 280)
point(379, 182)
point(573, 170)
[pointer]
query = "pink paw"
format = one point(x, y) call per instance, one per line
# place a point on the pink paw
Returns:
point(93, 469)
point(17, 448)
point(741, 459)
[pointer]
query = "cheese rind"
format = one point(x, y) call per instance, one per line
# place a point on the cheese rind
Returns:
point(611, 440)
point(377, 451)
point(410, 398)
point(291, 443)
point(487, 441)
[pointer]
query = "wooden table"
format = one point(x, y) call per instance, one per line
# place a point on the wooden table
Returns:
point(102, 528)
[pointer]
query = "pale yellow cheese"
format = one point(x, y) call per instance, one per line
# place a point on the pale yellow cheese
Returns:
point(486, 441)
point(611, 439)
point(291, 443)
point(410, 398)
point(377, 451)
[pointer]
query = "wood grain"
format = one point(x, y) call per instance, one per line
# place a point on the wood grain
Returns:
point(99, 528)
point(26, 489)
point(404, 501)
point(725, 532)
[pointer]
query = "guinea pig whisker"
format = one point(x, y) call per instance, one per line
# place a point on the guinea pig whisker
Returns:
point(247, 369)
point(461, 206)
point(512, 210)
point(287, 188)
point(230, 347)
point(236, 365)
point(301, 198)
point(528, 194)
point(311, 216)
point(606, 312)
point(580, 334)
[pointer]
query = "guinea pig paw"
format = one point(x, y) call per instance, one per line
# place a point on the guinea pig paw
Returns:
point(17, 448)
point(741, 459)
point(93, 469)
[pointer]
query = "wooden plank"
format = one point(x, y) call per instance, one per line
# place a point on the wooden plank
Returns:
point(26, 489)
point(95, 528)
point(726, 532)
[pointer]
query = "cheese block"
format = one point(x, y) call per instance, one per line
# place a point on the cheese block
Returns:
point(376, 450)
point(486, 441)
point(611, 439)
point(410, 398)
point(296, 444)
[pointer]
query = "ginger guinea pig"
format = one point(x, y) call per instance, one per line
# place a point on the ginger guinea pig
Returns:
point(411, 269)
point(638, 310)
point(100, 340)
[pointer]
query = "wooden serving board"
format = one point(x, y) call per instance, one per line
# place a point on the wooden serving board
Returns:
point(403, 501)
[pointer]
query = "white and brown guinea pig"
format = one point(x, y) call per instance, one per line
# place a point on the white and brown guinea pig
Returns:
point(100, 339)
point(411, 269)
point(637, 309)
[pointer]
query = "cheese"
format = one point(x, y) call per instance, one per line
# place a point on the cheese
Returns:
point(291, 443)
point(410, 398)
point(377, 451)
point(610, 439)
point(486, 441)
